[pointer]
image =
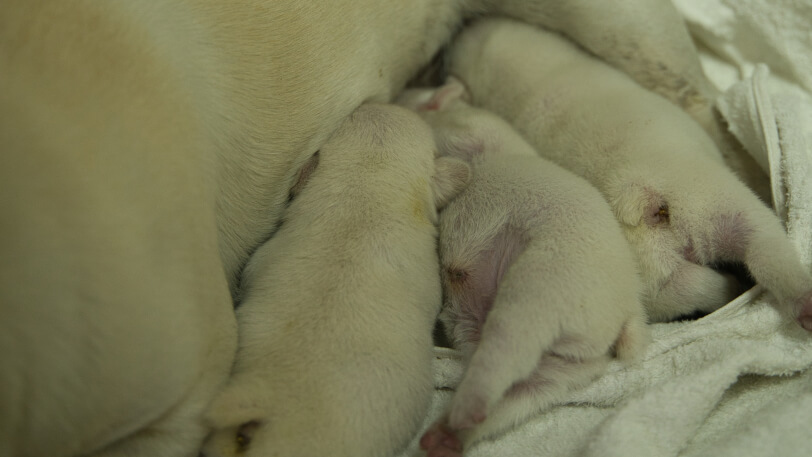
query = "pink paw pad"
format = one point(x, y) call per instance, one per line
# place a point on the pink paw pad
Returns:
point(440, 441)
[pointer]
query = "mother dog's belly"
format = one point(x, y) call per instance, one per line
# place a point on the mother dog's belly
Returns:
point(147, 149)
point(278, 89)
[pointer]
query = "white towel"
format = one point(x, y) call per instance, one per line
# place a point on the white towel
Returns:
point(736, 382)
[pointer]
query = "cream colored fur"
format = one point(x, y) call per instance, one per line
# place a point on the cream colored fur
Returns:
point(149, 147)
point(543, 244)
point(648, 40)
point(681, 208)
point(335, 328)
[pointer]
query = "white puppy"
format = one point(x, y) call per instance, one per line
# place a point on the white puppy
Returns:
point(541, 288)
point(149, 147)
point(681, 208)
point(335, 327)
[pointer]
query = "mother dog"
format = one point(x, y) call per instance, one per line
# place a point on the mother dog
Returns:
point(148, 148)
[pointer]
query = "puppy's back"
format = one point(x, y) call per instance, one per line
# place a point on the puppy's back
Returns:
point(339, 307)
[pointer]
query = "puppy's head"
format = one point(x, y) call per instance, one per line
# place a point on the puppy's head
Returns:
point(457, 125)
point(398, 146)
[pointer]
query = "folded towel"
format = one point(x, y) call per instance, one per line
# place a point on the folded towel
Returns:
point(747, 32)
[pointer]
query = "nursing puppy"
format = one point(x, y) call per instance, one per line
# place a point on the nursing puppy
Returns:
point(682, 210)
point(149, 148)
point(335, 326)
point(541, 289)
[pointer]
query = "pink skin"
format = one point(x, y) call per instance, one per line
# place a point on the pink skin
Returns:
point(805, 314)
point(473, 286)
point(440, 441)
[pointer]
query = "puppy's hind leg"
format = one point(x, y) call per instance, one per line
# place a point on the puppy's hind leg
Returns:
point(555, 376)
point(509, 351)
point(774, 263)
point(515, 335)
point(749, 232)
point(692, 288)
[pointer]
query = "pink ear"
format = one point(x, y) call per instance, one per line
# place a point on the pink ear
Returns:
point(452, 90)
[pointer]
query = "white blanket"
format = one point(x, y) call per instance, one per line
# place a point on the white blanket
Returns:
point(736, 382)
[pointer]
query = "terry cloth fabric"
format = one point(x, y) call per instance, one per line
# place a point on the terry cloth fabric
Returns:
point(738, 381)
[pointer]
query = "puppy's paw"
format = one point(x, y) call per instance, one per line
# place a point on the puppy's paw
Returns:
point(441, 441)
point(467, 410)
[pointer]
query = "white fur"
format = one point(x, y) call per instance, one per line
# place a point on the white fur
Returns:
point(148, 148)
point(543, 245)
point(648, 40)
point(644, 155)
point(335, 328)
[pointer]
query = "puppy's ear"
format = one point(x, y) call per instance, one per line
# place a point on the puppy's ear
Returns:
point(452, 90)
point(636, 204)
point(242, 401)
point(450, 178)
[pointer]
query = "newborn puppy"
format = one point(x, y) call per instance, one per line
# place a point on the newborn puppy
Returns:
point(335, 328)
point(541, 288)
point(682, 210)
point(660, 56)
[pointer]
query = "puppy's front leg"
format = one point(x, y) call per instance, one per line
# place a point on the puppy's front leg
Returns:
point(509, 351)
